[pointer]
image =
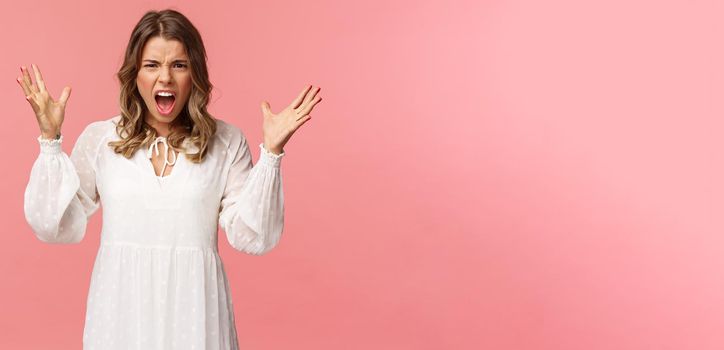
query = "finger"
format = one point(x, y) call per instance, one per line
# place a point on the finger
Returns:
point(297, 101)
point(65, 95)
point(301, 121)
point(28, 82)
point(31, 100)
point(21, 81)
point(38, 78)
point(266, 108)
point(309, 106)
point(26, 90)
point(309, 98)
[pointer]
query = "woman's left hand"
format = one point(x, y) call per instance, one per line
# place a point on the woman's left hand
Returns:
point(278, 128)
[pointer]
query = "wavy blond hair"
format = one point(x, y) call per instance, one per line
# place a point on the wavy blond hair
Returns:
point(194, 124)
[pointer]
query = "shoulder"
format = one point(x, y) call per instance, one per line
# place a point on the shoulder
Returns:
point(97, 131)
point(95, 134)
point(229, 134)
point(100, 128)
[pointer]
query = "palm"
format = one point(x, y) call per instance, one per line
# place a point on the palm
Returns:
point(48, 111)
point(279, 128)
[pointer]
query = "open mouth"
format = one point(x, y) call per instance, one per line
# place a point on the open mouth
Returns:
point(165, 101)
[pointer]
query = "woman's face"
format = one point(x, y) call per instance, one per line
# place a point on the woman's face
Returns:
point(164, 66)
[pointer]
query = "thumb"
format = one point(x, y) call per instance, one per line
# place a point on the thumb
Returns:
point(266, 108)
point(65, 95)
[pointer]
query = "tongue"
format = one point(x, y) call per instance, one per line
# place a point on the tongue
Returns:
point(165, 102)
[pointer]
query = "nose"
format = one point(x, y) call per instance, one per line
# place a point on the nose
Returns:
point(165, 75)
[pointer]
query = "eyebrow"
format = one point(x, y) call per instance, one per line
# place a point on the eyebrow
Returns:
point(154, 61)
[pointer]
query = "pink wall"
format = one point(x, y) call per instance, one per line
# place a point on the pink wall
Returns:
point(480, 174)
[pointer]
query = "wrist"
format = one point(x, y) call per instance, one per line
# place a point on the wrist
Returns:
point(51, 135)
point(275, 151)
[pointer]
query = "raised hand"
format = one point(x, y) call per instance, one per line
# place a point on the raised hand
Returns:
point(278, 128)
point(48, 111)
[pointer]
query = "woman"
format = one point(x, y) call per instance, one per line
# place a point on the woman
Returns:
point(168, 174)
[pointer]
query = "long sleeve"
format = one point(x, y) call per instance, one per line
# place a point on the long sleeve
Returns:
point(252, 205)
point(61, 194)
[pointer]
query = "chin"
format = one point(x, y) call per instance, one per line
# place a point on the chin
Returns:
point(166, 118)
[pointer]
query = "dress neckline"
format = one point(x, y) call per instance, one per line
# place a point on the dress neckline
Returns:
point(154, 147)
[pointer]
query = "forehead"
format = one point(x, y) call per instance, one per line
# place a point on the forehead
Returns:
point(160, 48)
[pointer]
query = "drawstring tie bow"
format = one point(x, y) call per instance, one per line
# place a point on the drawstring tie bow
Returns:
point(154, 146)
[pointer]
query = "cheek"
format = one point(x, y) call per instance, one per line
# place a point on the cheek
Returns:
point(144, 86)
point(186, 83)
point(186, 87)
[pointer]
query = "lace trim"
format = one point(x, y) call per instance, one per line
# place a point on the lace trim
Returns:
point(270, 159)
point(275, 156)
point(50, 142)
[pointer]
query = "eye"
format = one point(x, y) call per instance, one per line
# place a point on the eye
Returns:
point(181, 65)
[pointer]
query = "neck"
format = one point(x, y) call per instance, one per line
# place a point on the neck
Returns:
point(162, 129)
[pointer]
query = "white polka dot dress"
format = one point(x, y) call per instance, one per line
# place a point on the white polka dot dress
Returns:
point(158, 281)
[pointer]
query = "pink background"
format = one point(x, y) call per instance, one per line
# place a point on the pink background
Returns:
point(479, 175)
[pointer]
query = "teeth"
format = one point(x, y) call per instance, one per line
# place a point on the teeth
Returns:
point(163, 93)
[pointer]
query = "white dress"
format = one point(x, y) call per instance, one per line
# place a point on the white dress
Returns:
point(158, 281)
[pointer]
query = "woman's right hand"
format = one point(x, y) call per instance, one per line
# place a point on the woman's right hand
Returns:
point(48, 111)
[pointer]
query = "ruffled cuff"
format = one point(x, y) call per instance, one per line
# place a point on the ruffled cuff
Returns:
point(269, 158)
point(50, 146)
